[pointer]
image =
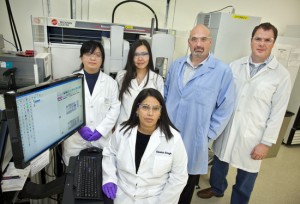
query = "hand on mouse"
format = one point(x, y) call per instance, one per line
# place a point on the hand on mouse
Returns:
point(95, 136)
point(85, 133)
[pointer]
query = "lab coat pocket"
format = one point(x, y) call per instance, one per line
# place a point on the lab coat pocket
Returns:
point(265, 92)
point(203, 95)
point(162, 165)
point(106, 103)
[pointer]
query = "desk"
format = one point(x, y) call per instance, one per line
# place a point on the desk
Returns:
point(68, 196)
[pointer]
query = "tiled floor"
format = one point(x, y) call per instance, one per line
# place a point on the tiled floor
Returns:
point(277, 183)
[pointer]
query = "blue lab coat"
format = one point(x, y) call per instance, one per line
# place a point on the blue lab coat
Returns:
point(201, 109)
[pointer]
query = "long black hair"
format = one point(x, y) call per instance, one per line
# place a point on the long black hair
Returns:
point(164, 121)
point(89, 47)
point(131, 68)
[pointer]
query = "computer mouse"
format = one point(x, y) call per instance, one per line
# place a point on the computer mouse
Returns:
point(91, 151)
point(94, 150)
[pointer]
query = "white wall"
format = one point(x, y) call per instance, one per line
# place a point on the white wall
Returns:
point(278, 12)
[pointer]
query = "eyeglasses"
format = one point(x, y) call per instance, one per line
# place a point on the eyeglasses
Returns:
point(201, 39)
point(95, 54)
point(265, 40)
point(141, 54)
point(146, 107)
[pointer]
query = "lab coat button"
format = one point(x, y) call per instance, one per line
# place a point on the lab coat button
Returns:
point(92, 106)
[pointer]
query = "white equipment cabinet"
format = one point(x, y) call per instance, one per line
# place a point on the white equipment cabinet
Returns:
point(231, 33)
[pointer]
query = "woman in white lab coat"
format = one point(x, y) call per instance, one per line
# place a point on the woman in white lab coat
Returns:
point(137, 75)
point(102, 106)
point(146, 161)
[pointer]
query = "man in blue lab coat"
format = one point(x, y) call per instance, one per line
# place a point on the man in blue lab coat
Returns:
point(199, 94)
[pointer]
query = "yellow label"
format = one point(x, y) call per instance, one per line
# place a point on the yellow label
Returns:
point(240, 17)
point(128, 27)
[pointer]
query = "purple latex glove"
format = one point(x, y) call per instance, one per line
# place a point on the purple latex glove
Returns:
point(110, 190)
point(95, 136)
point(85, 133)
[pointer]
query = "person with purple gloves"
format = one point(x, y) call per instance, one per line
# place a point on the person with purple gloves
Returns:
point(145, 161)
point(102, 106)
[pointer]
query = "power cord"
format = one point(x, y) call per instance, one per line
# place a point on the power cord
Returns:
point(232, 11)
point(123, 2)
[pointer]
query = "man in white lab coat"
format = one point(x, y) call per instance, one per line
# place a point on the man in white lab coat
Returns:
point(263, 88)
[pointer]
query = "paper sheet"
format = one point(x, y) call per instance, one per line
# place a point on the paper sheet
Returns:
point(39, 162)
point(14, 184)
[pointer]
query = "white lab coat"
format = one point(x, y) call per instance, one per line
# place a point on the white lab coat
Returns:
point(259, 111)
point(102, 109)
point(162, 173)
point(155, 81)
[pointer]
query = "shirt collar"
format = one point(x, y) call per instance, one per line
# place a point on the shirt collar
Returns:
point(188, 60)
point(269, 59)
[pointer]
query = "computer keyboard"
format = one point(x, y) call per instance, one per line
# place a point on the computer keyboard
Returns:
point(88, 178)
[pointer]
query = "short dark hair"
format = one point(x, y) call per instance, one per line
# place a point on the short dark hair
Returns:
point(89, 47)
point(164, 121)
point(266, 26)
point(131, 68)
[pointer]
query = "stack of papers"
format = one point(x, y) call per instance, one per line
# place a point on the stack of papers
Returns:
point(14, 179)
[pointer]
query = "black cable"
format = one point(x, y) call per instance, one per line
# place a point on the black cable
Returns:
point(55, 199)
point(233, 10)
point(11, 18)
point(13, 26)
point(58, 150)
point(123, 2)
point(13, 33)
point(9, 42)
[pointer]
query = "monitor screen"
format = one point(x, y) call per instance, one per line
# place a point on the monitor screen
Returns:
point(42, 116)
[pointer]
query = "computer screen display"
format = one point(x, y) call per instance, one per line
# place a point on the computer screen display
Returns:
point(42, 116)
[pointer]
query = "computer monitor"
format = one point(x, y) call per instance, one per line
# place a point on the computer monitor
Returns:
point(41, 116)
point(5, 150)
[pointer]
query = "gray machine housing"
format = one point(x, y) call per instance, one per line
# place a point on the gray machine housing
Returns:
point(24, 74)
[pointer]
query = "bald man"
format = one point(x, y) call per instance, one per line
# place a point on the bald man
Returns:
point(199, 94)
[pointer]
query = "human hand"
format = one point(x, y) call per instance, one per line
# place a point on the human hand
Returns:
point(95, 136)
point(260, 151)
point(85, 133)
point(110, 190)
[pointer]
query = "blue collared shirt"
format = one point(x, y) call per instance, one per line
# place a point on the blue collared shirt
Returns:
point(256, 67)
point(190, 69)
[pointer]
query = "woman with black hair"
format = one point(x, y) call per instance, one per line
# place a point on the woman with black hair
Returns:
point(137, 75)
point(102, 106)
point(146, 161)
